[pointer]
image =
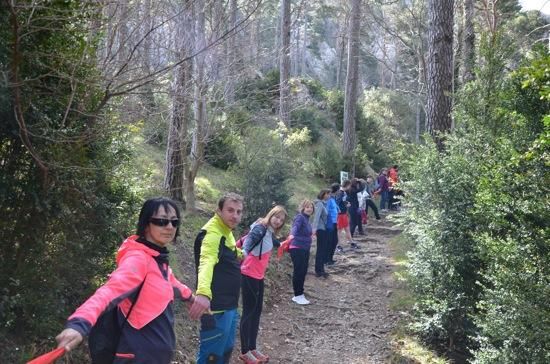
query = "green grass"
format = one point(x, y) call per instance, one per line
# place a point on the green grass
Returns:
point(304, 187)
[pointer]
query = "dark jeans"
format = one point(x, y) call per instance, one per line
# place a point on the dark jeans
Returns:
point(384, 200)
point(332, 244)
point(355, 220)
point(370, 203)
point(253, 299)
point(322, 251)
point(300, 261)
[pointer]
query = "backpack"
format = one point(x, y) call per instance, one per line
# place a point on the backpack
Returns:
point(341, 202)
point(242, 239)
point(105, 334)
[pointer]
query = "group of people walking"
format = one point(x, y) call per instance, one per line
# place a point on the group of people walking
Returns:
point(142, 288)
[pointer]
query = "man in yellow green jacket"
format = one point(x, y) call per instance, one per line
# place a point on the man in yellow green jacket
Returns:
point(218, 282)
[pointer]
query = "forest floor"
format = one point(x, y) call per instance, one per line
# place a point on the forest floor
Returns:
point(349, 319)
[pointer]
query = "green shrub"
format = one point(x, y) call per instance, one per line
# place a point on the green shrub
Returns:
point(316, 89)
point(327, 160)
point(265, 169)
point(311, 118)
point(444, 267)
point(259, 93)
point(60, 227)
point(479, 216)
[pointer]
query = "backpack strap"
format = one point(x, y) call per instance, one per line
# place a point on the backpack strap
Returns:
point(131, 308)
point(259, 241)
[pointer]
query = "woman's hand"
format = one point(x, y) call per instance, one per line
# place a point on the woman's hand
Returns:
point(68, 339)
point(201, 304)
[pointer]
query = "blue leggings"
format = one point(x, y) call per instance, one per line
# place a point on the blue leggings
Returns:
point(217, 337)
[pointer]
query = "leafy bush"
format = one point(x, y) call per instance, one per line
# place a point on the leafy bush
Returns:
point(265, 166)
point(316, 89)
point(512, 206)
point(327, 160)
point(336, 107)
point(311, 118)
point(444, 267)
point(259, 93)
point(479, 268)
point(61, 224)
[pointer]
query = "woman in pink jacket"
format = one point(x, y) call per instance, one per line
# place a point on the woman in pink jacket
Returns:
point(147, 335)
point(257, 249)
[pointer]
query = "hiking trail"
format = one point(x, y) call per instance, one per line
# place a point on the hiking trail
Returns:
point(349, 319)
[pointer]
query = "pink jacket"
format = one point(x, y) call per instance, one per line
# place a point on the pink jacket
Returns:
point(135, 263)
point(256, 260)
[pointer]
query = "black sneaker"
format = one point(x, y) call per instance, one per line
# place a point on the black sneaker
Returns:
point(355, 246)
point(339, 249)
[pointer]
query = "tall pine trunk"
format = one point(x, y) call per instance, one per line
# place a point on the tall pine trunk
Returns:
point(284, 87)
point(200, 132)
point(178, 130)
point(468, 42)
point(352, 78)
point(440, 69)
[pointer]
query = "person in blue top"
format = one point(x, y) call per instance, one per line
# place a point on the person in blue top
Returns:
point(332, 218)
point(300, 245)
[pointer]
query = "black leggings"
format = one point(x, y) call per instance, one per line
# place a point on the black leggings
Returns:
point(322, 251)
point(355, 221)
point(370, 203)
point(253, 299)
point(332, 243)
point(300, 261)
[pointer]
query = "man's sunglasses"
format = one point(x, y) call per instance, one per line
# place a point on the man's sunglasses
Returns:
point(164, 222)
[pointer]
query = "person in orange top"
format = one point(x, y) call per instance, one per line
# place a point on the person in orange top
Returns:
point(393, 178)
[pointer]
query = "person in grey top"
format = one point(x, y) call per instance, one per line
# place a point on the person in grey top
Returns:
point(320, 220)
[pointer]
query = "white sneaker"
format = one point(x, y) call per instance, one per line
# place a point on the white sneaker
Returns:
point(301, 300)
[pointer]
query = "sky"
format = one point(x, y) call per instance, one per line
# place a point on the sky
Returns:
point(542, 5)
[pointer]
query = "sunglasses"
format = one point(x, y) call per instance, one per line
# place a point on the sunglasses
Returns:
point(164, 222)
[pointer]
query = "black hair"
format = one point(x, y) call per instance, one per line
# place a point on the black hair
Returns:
point(334, 187)
point(150, 207)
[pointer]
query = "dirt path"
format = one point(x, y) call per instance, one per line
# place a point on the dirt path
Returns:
point(349, 320)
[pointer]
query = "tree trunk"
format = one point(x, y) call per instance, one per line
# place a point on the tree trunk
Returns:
point(178, 130)
point(284, 86)
point(341, 51)
point(439, 68)
point(200, 133)
point(468, 42)
point(296, 53)
point(231, 55)
point(303, 49)
point(350, 102)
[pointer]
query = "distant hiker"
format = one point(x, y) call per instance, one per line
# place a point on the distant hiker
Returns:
point(384, 189)
point(299, 250)
point(342, 223)
point(147, 335)
point(332, 230)
point(368, 197)
point(393, 180)
point(218, 282)
point(257, 249)
point(356, 187)
point(319, 225)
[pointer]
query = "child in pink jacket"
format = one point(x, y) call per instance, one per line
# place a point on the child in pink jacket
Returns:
point(257, 249)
